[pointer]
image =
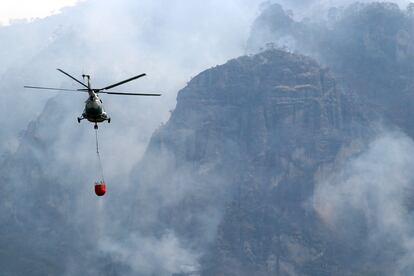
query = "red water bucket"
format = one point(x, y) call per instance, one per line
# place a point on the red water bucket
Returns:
point(100, 189)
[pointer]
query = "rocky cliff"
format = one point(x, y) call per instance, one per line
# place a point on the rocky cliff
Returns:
point(239, 154)
point(368, 47)
point(227, 186)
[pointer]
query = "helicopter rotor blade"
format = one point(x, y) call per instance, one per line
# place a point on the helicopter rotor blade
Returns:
point(128, 94)
point(73, 78)
point(99, 91)
point(122, 82)
point(53, 88)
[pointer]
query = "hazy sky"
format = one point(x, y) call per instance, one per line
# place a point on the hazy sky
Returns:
point(28, 9)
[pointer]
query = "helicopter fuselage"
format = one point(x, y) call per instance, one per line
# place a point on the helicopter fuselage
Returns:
point(94, 111)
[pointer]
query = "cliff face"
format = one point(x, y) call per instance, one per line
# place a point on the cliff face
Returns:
point(227, 185)
point(223, 187)
point(368, 47)
point(242, 148)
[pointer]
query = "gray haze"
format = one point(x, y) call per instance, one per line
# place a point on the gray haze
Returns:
point(366, 194)
point(316, 9)
point(172, 41)
point(111, 40)
point(377, 184)
point(169, 40)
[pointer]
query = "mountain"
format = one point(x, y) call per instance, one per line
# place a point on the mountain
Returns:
point(239, 153)
point(51, 221)
point(271, 129)
point(274, 163)
point(367, 46)
point(232, 168)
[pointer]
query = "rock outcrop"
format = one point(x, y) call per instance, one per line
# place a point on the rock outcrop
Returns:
point(367, 46)
point(238, 156)
point(226, 186)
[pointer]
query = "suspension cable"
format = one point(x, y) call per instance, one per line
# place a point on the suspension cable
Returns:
point(99, 156)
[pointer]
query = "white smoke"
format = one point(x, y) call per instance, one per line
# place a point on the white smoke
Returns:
point(171, 41)
point(377, 183)
point(316, 9)
point(152, 256)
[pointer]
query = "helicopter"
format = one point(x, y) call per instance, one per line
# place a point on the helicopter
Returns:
point(94, 111)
